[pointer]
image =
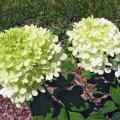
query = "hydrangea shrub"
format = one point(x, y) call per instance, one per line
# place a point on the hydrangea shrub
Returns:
point(28, 56)
point(96, 43)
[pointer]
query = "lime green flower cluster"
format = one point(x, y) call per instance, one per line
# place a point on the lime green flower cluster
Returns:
point(28, 56)
point(95, 42)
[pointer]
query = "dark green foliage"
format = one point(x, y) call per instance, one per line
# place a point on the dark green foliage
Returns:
point(76, 116)
point(87, 74)
point(42, 104)
point(62, 115)
point(115, 94)
point(96, 116)
point(116, 116)
point(73, 106)
point(108, 107)
point(68, 65)
point(47, 117)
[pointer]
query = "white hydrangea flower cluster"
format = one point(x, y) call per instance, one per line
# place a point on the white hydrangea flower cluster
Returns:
point(28, 56)
point(96, 43)
point(116, 63)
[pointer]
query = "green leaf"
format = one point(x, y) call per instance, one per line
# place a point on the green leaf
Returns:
point(116, 116)
point(47, 117)
point(96, 91)
point(68, 65)
point(108, 107)
point(96, 116)
point(76, 116)
point(60, 82)
point(87, 74)
point(42, 105)
point(115, 94)
point(68, 76)
point(62, 115)
point(65, 75)
point(83, 107)
point(72, 97)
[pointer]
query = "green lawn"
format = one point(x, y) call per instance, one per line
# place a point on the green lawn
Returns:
point(55, 14)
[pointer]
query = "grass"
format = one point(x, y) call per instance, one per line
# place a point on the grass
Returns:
point(55, 14)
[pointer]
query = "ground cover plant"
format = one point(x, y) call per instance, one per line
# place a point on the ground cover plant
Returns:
point(69, 71)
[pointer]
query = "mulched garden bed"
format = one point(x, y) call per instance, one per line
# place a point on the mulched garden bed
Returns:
point(8, 111)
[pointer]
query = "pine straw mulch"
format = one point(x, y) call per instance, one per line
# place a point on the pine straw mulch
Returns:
point(8, 111)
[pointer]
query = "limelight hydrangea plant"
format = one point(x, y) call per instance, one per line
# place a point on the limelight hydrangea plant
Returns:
point(28, 56)
point(96, 43)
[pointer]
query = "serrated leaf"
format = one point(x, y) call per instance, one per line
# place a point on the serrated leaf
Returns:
point(62, 115)
point(81, 108)
point(108, 107)
point(115, 94)
point(96, 116)
point(76, 116)
point(116, 116)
